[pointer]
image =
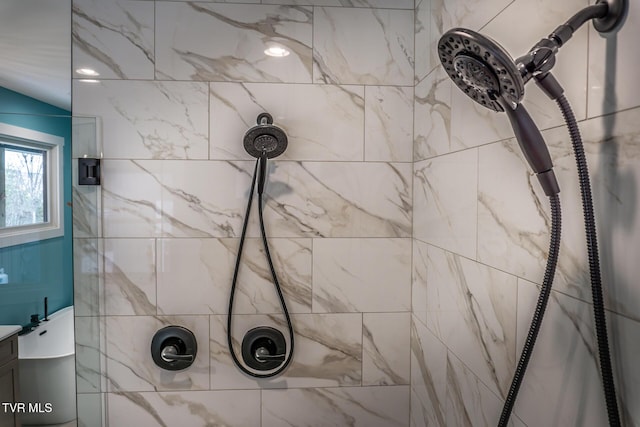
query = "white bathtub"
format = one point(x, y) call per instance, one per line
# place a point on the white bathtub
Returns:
point(47, 370)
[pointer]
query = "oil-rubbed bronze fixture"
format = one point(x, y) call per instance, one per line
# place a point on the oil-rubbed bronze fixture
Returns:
point(174, 348)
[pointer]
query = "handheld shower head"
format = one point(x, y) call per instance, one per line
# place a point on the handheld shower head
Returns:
point(265, 139)
point(483, 70)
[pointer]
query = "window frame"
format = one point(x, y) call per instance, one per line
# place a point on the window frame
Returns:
point(54, 191)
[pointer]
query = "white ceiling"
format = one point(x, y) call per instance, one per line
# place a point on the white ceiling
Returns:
point(35, 49)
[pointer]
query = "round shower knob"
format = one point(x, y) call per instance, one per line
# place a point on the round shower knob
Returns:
point(263, 348)
point(174, 348)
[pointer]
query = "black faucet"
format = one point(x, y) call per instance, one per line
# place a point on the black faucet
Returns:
point(46, 310)
point(33, 324)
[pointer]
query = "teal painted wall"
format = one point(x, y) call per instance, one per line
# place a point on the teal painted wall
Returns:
point(45, 268)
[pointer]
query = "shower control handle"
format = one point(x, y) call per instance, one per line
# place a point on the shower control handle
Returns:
point(170, 354)
point(262, 355)
point(174, 348)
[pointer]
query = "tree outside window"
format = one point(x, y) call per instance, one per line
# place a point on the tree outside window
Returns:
point(23, 184)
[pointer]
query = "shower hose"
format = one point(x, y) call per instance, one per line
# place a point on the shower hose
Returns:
point(259, 175)
point(545, 291)
point(596, 281)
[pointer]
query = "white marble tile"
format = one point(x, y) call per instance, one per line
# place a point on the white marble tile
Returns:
point(87, 199)
point(131, 210)
point(327, 353)
point(562, 384)
point(419, 281)
point(292, 260)
point(148, 119)
point(473, 309)
point(189, 408)
point(363, 46)
point(613, 154)
point(353, 406)
point(386, 349)
point(114, 38)
point(203, 198)
point(130, 276)
point(88, 289)
point(513, 216)
point(613, 62)
point(392, 4)
point(624, 336)
point(361, 275)
point(194, 276)
point(339, 199)
point(230, 1)
point(428, 378)
point(129, 363)
point(89, 346)
point(472, 14)
point(445, 201)
point(470, 402)
point(513, 222)
point(388, 132)
point(432, 116)
point(322, 122)
point(184, 50)
point(175, 198)
point(85, 136)
point(87, 206)
point(91, 409)
point(425, 54)
point(303, 199)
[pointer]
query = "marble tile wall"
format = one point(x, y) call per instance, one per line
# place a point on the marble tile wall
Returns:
point(481, 227)
point(180, 83)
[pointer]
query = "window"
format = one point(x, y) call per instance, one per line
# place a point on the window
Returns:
point(31, 196)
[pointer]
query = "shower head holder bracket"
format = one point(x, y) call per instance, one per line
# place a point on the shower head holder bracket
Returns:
point(616, 12)
point(607, 16)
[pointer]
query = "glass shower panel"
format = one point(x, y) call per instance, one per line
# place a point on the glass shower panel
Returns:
point(88, 289)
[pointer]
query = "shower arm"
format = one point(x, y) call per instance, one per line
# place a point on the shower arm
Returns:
point(607, 15)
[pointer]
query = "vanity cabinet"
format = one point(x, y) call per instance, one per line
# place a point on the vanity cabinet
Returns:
point(9, 380)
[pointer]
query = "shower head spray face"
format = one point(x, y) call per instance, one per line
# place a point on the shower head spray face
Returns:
point(481, 68)
point(265, 139)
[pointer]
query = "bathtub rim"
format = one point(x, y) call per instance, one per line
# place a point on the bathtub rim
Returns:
point(43, 325)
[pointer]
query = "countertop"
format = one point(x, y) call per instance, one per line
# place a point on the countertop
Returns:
point(8, 330)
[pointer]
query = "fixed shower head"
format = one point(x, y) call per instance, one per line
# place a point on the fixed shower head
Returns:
point(265, 139)
point(481, 68)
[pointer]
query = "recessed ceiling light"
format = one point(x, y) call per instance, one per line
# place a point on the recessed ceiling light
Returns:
point(87, 72)
point(277, 51)
point(89, 80)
